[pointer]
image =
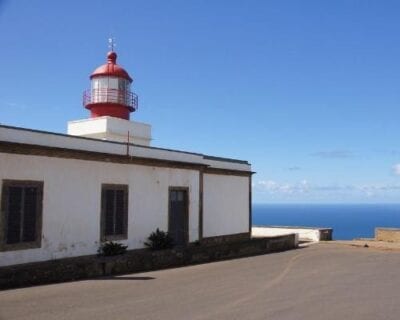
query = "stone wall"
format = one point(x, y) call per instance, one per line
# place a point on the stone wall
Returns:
point(84, 267)
point(387, 234)
point(226, 238)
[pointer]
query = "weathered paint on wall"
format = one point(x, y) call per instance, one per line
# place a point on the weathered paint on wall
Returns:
point(71, 202)
point(72, 189)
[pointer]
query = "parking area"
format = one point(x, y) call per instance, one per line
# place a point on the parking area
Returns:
point(323, 281)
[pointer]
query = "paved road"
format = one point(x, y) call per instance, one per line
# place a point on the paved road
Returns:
point(324, 281)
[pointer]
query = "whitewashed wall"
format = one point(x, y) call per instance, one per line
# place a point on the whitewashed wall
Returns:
point(71, 202)
point(111, 129)
point(225, 205)
point(303, 234)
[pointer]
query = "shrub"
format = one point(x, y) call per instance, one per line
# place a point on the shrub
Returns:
point(110, 248)
point(159, 240)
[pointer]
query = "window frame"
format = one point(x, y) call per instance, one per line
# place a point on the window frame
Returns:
point(6, 184)
point(124, 234)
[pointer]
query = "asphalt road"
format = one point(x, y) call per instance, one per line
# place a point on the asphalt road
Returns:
point(324, 281)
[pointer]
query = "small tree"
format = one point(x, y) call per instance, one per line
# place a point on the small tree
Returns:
point(110, 248)
point(159, 240)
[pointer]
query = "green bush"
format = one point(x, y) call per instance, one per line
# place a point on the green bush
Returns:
point(110, 248)
point(159, 240)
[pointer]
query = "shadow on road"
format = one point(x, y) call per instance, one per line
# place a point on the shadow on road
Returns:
point(123, 278)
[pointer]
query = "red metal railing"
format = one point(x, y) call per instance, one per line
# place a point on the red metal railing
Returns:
point(126, 98)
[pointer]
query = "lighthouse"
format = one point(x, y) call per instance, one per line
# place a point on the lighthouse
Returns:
point(110, 102)
point(103, 181)
point(110, 91)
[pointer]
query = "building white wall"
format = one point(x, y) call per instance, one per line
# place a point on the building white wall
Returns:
point(71, 202)
point(112, 129)
point(47, 139)
point(225, 205)
point(304, 234)
point(34, 137)
point(230, 165)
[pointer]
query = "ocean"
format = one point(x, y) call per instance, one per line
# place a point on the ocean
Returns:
point(348, 221)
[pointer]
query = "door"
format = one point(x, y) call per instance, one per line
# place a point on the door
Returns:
point(178, 215)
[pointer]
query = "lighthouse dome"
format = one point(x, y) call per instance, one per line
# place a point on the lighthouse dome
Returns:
point(111, 68)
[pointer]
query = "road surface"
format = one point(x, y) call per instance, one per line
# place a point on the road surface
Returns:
point(323, 281)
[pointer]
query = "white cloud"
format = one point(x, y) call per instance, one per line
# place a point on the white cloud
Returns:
point(303, 189)
point(396, 169)
point(273, 187)
point(294, 168)
point(333, 154)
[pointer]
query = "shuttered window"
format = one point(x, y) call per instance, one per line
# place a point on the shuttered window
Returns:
point(114, 217)
point(21, 214)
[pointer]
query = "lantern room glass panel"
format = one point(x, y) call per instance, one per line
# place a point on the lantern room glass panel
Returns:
point(109, 89)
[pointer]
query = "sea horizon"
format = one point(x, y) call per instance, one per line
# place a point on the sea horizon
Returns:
point(349, 221)
point(326, 203)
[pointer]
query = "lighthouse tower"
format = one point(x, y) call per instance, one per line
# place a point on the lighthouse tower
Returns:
point(110, 102)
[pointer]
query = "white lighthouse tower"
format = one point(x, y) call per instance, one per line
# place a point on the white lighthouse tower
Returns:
point(110, 102)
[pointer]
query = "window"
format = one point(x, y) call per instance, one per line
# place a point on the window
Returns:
point(21, 214)
point(114, 212)
point(123, 85)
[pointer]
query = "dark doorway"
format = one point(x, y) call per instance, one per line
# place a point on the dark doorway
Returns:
point(178, 215)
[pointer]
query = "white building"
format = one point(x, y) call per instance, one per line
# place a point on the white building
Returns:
point(63, 194)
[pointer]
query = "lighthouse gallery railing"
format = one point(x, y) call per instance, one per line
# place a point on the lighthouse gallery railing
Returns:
point(105, 95)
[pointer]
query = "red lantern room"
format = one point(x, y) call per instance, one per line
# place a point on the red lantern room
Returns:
point(110, 93)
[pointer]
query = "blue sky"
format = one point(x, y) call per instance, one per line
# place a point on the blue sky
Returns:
point(307, 91)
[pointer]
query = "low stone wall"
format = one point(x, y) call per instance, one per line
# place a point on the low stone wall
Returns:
point(306, 234)
point(137, 261)
point(387, 234)
point(226, 238)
